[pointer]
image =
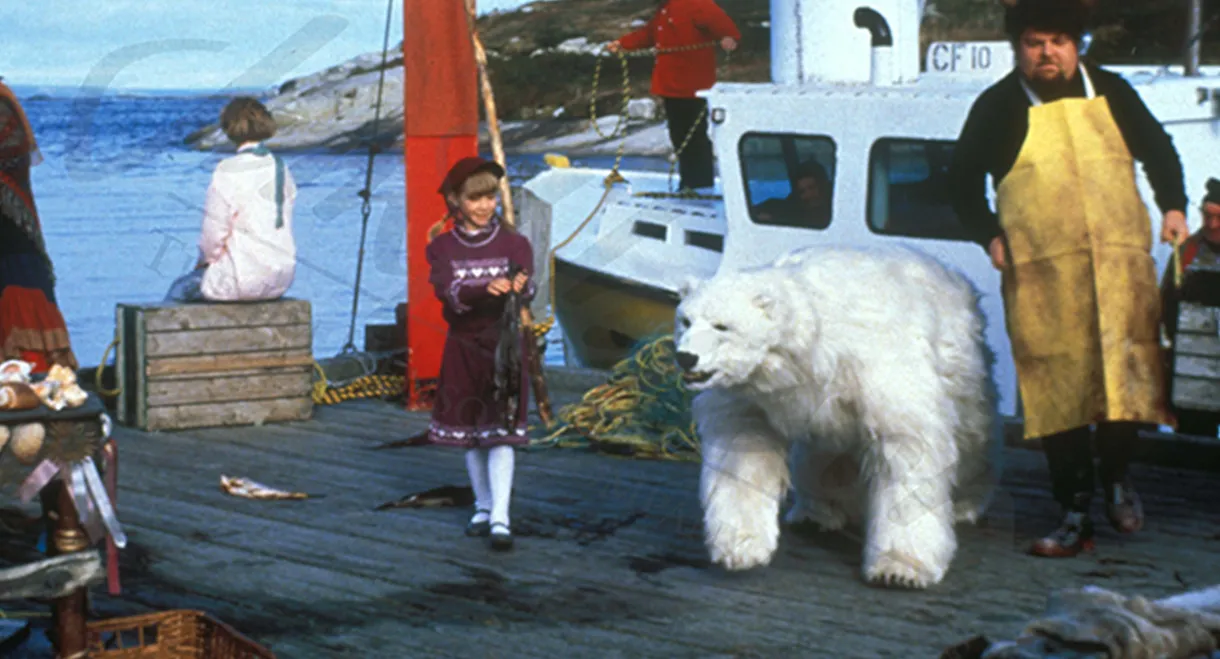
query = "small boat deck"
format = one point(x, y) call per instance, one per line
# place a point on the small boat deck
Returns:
point(609, 559)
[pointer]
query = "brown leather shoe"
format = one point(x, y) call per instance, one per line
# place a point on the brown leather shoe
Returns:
point(1123, 507)
point(1074, 535)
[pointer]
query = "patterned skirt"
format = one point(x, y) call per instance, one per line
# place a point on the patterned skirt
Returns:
point(31, 327)
point(465, 413)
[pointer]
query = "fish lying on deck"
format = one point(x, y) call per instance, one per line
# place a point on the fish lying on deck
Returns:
point(248, 489)
point(445, 496)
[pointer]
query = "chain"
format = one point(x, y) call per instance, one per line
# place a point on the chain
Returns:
point(621, 125)
point(673, 157)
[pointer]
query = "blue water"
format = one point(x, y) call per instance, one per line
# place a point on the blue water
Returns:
point(121, 197)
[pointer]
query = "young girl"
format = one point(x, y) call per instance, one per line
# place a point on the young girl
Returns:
point(470, 266)
point(246, 247)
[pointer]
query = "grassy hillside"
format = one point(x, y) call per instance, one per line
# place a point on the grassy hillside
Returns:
point(1147, 31)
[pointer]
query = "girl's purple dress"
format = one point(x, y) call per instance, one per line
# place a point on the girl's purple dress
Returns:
point(465, 412)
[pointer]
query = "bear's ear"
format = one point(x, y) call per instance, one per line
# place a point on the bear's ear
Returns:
point(688, 286)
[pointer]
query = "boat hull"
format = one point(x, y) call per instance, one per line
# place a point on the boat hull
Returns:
point(604, 317)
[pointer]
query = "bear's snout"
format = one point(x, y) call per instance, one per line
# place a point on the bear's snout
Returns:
point(686, 360)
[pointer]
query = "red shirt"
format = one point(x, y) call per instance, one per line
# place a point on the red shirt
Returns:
point(683, 23)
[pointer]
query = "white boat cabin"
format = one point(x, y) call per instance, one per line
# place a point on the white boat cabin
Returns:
point(850, 95)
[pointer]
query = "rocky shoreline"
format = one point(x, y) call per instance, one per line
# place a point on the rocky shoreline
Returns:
point(333, 110)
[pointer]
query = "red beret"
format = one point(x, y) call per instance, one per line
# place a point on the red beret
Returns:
point(464, 169)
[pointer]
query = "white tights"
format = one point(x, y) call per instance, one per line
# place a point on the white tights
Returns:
point(491, 478)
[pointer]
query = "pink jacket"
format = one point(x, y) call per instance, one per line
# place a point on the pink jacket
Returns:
point(248, 257)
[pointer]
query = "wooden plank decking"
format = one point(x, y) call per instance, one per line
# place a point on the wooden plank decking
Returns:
point(330, 577)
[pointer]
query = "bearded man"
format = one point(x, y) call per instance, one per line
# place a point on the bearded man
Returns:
point(1072, 239)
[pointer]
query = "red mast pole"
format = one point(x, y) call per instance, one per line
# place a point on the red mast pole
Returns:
point(440, 126)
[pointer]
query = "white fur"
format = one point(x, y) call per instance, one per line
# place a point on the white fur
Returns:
point(859, 377)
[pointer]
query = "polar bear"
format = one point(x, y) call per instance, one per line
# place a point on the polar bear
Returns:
point(860, 378)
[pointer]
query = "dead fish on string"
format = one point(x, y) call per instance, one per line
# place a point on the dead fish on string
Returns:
point(445, 496)
point(248, 489)
point(508, 358)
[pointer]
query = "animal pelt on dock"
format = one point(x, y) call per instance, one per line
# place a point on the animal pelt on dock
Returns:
point(1092, 622)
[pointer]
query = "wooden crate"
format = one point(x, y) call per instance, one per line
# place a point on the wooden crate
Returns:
point(215, 364)
point(1196, 358)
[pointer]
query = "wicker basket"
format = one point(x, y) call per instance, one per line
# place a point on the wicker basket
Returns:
point(177, 634)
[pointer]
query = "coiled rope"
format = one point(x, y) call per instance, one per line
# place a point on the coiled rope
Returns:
point(368, 384)
point(643, 411)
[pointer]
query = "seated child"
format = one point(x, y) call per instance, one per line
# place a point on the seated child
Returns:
point(246, 248)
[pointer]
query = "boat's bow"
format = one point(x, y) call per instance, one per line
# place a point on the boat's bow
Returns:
point(621, 255)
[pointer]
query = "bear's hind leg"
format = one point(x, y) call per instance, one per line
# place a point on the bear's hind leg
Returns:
point(910, 540)
point(823, 487)
point(980, 446)
point(743, 478)
point(965, 368)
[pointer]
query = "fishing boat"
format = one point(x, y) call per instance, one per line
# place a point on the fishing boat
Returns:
point(849, 90)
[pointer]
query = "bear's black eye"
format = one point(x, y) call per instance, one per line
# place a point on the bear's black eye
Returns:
point(685, 322)
point(720, 327)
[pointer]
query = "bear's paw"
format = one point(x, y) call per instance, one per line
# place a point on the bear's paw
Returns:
point(895, 569)
point(743, 543)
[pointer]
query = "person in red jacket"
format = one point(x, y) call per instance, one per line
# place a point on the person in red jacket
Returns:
point(681, 70)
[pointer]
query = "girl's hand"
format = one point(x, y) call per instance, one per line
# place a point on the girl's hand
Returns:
point(519, 282)
point(499, 286)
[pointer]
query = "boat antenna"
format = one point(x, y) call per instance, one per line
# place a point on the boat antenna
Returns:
point(1196, 28)
point(366, 194)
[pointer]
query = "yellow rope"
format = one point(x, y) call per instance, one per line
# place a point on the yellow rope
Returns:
point(1177, 264)
point(643, 410)
point(365, 386)
point(101, 367)
point(22, 615)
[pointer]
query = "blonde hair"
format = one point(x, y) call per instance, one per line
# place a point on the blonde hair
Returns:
point(244, 119)
point(480, 184)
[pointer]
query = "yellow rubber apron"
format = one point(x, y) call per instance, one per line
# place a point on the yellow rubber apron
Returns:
point(1080, 292)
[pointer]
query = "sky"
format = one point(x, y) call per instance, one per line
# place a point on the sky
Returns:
point(191, 44)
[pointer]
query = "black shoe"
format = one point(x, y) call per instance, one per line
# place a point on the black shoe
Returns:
point(1074, 535)
point(1123, 507)
point(478, 529)
point(501, 540)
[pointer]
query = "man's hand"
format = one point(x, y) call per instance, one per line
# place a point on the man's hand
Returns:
point(729, 44)
point(519, 282)
point(613, 47)
point(1173, 227)
point(999, 255)
point(499, 286)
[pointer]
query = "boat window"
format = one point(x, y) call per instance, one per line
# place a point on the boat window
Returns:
point(789, 178)
point(908, 190)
